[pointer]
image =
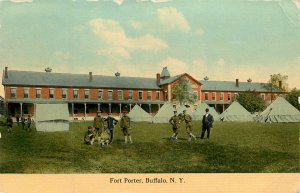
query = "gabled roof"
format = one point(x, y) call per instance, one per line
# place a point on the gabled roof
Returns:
point(231, 86)
point(29, 78)
point(174, 78)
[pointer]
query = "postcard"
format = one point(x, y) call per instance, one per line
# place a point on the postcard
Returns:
point(149, 96)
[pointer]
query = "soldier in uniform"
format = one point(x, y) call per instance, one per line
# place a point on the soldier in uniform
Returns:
point(111, 122)
point(18, 119)
point(207, 122)
point(9, 123)
point(98, 125)
point(125, 125)
point(89, 136)
point(29, 123)
point(175, 122)
point(23, 121)
point(188, 125)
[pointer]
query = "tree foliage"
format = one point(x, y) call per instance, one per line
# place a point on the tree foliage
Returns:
point(250, 101)
point(183, 92)
point(292, 97)
point(274, 81)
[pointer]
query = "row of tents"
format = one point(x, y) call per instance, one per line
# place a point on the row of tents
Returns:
point(55, 117)
point(278, 111)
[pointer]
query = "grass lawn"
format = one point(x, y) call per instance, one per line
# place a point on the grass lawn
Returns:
point(233, 147)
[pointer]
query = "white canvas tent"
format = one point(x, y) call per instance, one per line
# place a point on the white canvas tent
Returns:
point(236, 112)
point(164, 114)
point(200, 111)
point(137, 114)
point(280, 111)
point(52, 117)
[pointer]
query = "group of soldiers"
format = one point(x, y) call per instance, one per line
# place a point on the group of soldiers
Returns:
point(103, 129)
point(207, 123)
point(105, 132)
point(20, 120)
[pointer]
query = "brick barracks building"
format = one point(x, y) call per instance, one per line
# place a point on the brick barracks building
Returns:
point(88, 93)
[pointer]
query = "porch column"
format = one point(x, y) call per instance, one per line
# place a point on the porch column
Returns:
point(223, 108)
point(34, 107)
point(130, 107)
point(120, 108)
point(215, 106)
point(72, 110)
point(98, 106)
point(150, 108)
point(84, 110)
point(21, 109)
point(109, 109)
point(158, 106)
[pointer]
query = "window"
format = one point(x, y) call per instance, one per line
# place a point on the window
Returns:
point(140, 95)
point(229, 96)
point(120, 95)
point(149, 95)
point(236, 95)
point(110, 95)
point(196, 95)
point(75, 94)
point(206, 96)
point(26, 92)
point(51, 93)
point(86, 94)
point(100, 94)
point(214, 96)
point(158, 95)
point(64, 93)
point(13, 92)
point(38, 93)
point(222, 96)
point(130, 95)
point(263, 96)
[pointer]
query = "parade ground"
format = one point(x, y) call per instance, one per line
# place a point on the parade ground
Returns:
point(233, 147)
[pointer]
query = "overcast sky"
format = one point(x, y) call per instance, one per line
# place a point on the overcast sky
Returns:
point(223, 40)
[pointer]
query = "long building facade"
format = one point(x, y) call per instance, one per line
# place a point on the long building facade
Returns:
point(86, 94)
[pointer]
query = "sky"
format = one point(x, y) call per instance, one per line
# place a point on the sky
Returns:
point(223, 40)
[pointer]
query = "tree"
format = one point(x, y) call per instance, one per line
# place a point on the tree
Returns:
point(183, 92)
point(274, 81)
point(292, 97)
point(250, 101)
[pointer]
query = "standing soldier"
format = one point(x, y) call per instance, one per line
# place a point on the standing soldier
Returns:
point(111, 122)
point(29, 123)
point(18, 119)
point(9, 123)
point(188, 125)
point(175, 122)
point(23, 121)
point(207, 122)
point(99, 125)
point(125, 125)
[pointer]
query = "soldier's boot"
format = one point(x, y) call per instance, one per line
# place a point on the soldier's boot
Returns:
point(125, 140)
point(130, 139)
point(173, 137)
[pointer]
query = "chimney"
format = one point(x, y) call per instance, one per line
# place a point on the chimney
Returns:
point(5, 73)
point(280, 83)
point(157, 79)
point(117, 74)
point(90, 76)
point(237, 84)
